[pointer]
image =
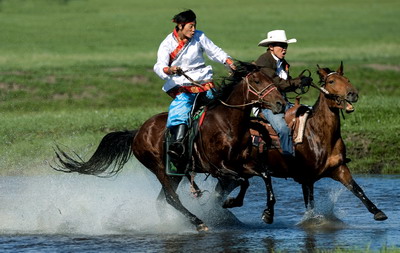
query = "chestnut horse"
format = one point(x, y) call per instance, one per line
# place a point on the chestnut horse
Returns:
point(222, 147)
point(322, 152)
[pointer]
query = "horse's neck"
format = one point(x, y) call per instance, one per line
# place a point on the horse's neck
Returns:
point(234, 112)
point(327, 118)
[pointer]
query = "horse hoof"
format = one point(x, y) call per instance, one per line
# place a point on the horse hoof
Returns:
point(380, 216)
point(202, 228)
point(268, 217)
point(231, 202)
point(227, 203)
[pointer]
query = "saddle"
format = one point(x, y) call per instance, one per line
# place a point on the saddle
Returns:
point(265, 137)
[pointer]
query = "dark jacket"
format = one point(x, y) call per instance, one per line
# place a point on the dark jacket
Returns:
point(268, 66)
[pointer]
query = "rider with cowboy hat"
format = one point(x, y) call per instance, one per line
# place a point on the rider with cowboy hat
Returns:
point(274, 65)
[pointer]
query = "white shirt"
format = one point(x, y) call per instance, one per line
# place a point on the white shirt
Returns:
point(280, 71)
point(190, 58)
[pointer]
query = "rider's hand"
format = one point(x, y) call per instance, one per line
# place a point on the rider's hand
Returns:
point(229, 62)
point(175, 70)
point(172, 70)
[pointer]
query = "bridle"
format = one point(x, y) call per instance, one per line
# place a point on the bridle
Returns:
point(337, 98)
point(250, 89)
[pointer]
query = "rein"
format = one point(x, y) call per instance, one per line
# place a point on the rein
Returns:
point(181, 72)
point(302, 88)
point(260, 94)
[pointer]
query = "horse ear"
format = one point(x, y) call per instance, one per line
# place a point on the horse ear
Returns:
point(340, 69)
point(321, 72)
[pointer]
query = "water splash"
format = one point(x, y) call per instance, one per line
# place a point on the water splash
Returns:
point(78, 204)
point(324, 216)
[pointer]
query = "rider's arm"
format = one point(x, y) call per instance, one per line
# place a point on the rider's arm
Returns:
point(161, 68)
point(283, 85)
point(214, 52)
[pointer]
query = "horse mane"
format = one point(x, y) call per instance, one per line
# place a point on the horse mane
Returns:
point(227, 84)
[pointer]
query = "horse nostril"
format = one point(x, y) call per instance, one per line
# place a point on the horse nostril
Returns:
point(352, 96)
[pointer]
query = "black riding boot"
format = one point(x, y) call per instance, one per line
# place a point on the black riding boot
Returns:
point(177, 148)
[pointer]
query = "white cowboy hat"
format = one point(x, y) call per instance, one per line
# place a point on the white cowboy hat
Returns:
point(275, 36)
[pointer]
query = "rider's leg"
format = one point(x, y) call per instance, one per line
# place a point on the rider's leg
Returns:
point(278, 122)
point(177, 122)
point(177, 148)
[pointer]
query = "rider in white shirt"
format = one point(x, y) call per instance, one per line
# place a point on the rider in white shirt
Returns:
point(182, 52)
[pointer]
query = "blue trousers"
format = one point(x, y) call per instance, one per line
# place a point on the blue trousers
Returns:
point(180, 107)
point(278, 123)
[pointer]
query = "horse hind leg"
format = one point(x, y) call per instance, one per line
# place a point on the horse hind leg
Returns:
point(169, 186)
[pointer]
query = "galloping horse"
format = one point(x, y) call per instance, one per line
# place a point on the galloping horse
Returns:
point(322, 152)
point(222, 147)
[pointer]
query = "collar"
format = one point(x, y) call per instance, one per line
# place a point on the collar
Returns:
point(176, 36)
point(178, 49)
point(276, 58)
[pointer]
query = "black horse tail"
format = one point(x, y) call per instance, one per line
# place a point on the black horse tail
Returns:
point(111, 155)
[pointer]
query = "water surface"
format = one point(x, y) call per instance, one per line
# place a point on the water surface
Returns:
point(70, 213)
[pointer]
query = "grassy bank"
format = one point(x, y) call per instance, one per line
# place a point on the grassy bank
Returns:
point(71, 71)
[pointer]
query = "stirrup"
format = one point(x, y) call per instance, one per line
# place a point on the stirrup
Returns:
point(176, 150)
point(173, 155)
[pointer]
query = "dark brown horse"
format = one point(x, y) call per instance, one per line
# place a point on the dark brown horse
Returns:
point(322, 152)
point(222, 147)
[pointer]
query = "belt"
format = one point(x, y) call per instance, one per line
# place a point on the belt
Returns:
point(190, 89)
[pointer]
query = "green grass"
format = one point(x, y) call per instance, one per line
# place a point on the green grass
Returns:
point(73, 70)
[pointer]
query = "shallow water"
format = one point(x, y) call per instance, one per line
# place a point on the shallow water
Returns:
point(71, 213)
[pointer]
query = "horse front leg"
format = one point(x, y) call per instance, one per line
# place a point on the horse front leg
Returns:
point(268, 214)
point(169, 186)
point(343, 175)
point(308, 195)
point(356, 190)
point(223, 188)
point(226, 186)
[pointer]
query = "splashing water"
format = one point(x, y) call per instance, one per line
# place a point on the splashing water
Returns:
point(77, 213)
point(79, 204)
point(323, 216)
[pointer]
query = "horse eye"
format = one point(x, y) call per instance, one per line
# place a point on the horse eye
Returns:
point(331, 82)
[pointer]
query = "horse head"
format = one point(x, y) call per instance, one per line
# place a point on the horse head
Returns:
point(260, 89)
point(338, 88)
